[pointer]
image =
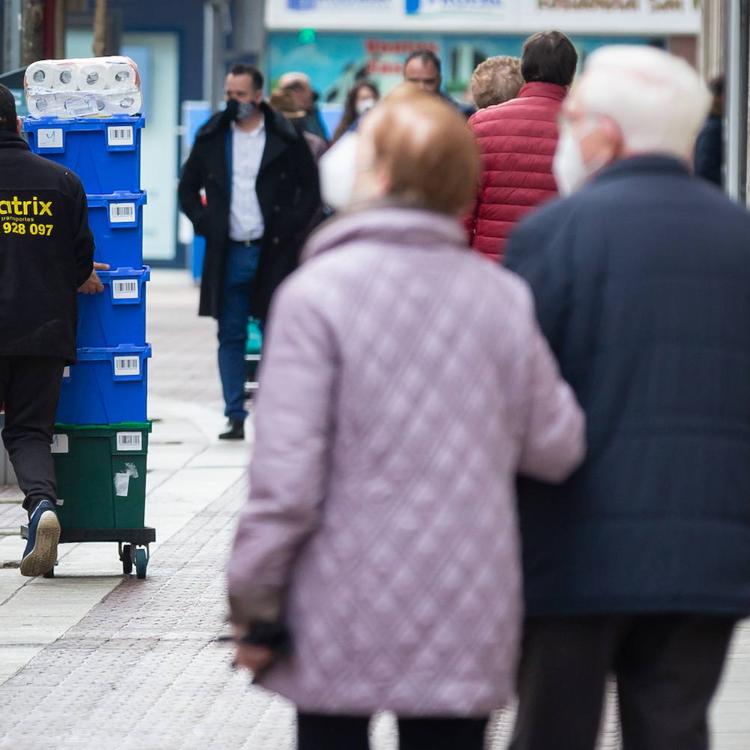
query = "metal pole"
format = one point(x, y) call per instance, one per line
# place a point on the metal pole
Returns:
point(11, 53)
point(736, 106)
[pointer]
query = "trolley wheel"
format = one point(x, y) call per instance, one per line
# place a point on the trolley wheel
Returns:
point(126, 556)
point(50, 573)
point(141, 562)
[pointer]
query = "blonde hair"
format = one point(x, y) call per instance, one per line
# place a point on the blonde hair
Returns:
point(427, 150)
point(496, 80)
point(658, 101)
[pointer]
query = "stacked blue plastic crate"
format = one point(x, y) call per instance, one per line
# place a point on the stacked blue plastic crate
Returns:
point(108, 384)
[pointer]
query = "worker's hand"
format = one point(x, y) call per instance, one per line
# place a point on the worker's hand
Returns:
point(93, 285)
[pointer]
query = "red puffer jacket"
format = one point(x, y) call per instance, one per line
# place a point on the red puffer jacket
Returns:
point(517, 140)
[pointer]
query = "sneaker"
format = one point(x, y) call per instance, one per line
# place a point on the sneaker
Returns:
point(236, 431)
point(40, 554)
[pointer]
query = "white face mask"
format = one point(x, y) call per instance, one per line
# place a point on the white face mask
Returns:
point(568, 166)
point(338, 172)
point(364, 105)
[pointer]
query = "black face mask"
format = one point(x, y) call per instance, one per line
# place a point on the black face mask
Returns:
point(239, 110)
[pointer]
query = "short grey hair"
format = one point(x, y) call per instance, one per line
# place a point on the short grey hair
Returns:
point(658, 100)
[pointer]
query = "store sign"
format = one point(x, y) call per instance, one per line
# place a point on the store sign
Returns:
point(325, 7)
point(432, 7)
point(488, 16)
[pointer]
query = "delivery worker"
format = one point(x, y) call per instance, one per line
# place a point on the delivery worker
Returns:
point(46, 254)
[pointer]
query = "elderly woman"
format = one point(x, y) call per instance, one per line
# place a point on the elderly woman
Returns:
point(405, 383)
point(496, 80)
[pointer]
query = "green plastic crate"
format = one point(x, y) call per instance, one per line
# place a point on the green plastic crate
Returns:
point(101, 475)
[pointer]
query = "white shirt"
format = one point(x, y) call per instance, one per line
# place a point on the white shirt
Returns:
point(245, 217)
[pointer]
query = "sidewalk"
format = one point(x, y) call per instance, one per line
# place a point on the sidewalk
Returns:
point(93, 660)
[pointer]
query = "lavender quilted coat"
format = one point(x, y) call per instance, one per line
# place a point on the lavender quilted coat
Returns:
point(405, 382)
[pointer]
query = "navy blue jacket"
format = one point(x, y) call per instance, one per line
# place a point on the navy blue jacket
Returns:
point(642, 286)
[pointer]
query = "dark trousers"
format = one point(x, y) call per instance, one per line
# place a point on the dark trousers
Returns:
point(30, 389)
point(667, 669)
point(239, 274)
point(322, 732)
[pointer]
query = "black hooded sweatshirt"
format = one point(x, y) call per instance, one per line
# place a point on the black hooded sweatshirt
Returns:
point(46, 252)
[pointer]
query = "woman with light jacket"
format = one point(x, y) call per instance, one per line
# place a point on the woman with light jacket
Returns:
point(405, 384)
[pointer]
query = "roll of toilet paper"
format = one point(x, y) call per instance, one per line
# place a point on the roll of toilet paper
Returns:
point(125, 102)
point(92, 76)
point(121, 76)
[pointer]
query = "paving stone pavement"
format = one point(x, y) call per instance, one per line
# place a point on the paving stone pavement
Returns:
point(101, 662)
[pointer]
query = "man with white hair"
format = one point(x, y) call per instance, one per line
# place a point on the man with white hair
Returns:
point(639, 565)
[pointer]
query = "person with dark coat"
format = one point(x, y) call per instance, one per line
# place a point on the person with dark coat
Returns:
point(709, 149)
point(517, 140)
point(46, 254)
point(639, 564)
point(261, 189)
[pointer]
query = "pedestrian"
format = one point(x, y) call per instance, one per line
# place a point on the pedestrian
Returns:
point(518, 140)
point(283, 102)
point(639, 565)
point(299, 85)
point(46, 254)
point(261, 186)
point(709, 149)
point(496, 80)
point(376, 563)
point(362, 97)
point(423, 69)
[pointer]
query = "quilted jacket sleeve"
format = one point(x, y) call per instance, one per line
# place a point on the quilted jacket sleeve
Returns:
point(293, 427)
point(554, 437)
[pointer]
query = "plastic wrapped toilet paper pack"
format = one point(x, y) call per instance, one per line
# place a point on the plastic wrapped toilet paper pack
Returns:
point(86, 87)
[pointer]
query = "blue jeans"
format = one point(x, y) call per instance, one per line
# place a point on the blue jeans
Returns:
point(239, 273)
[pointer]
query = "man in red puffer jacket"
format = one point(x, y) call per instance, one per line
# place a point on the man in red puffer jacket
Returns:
point(518, 141)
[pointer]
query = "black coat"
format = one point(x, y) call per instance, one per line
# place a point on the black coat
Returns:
point(709, 150)
point(642, 286)
point(46, 252)
point(289, 197)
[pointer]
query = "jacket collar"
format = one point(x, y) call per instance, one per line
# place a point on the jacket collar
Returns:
point(644, 164)
point(388, 224)
point(547, 90)
point(12, 140)
point(275, 124)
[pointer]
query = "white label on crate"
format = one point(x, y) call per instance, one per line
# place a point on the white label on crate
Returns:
point(127, 366)
point(49, 138)
point(121, 213)
point(60, 444)
point(124, 289)
point(121, 135)
point(66, 372)
point(122, 484)
point(129, 441)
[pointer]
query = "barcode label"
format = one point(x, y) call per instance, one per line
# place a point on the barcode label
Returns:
point(124, 289)
point(49, 138)
point(120, 136)
point(60, 444)
point(129, 441)
point(66, 373)
point(127, 366)
point(121, 212)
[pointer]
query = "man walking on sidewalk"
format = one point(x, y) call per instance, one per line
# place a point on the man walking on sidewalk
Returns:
point(261, 187)
point(46, 254)
point(639, 564)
